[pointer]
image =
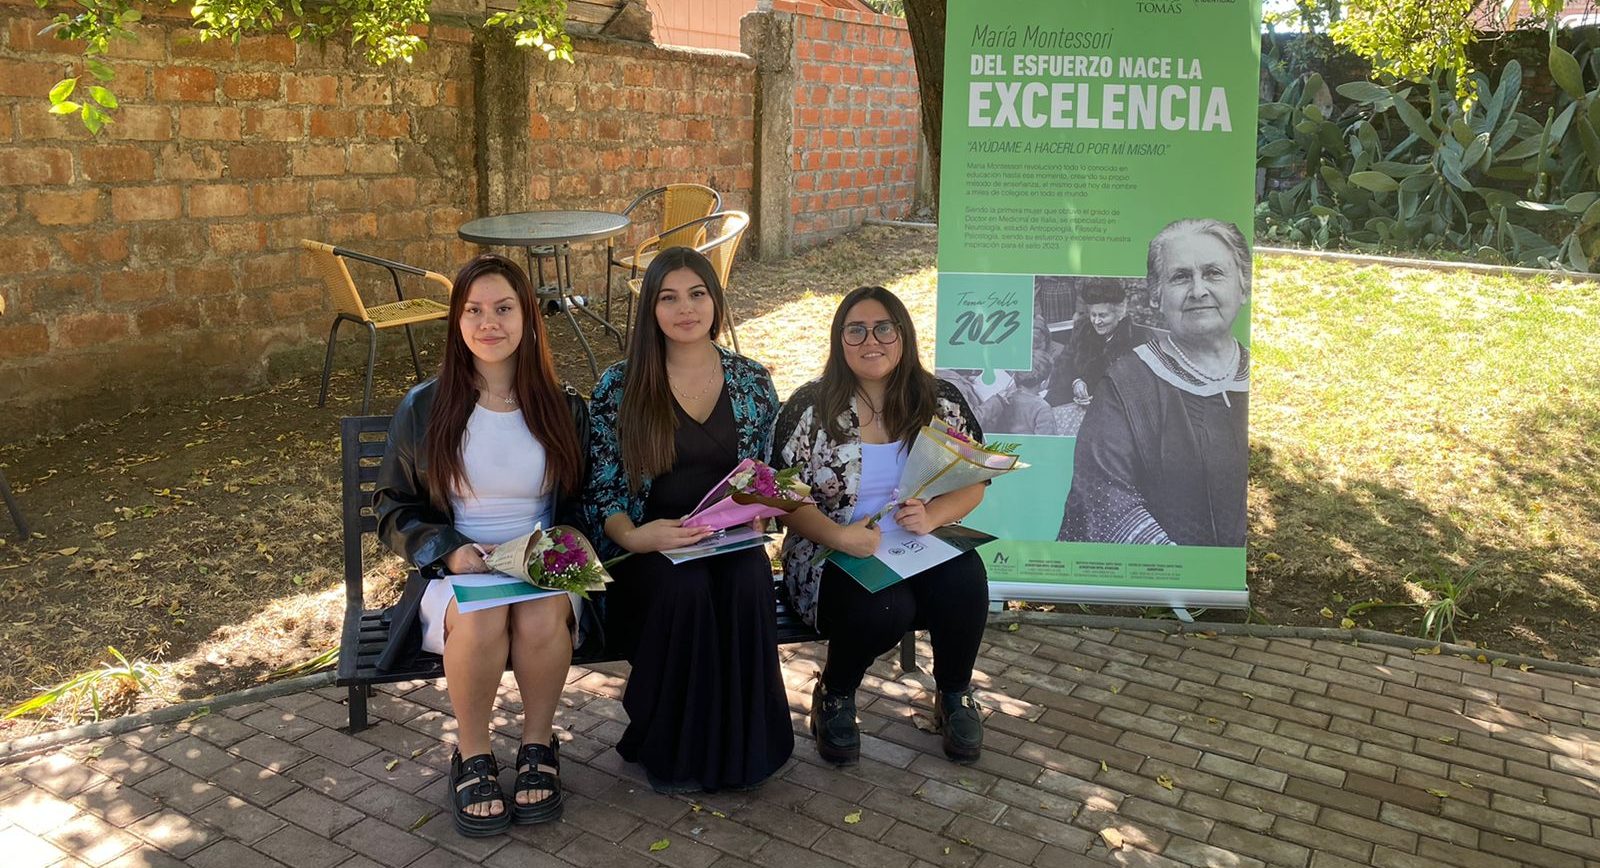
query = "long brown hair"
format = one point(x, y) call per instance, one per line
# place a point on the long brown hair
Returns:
point(910, 398)
point(534, 383)
point(646, 423)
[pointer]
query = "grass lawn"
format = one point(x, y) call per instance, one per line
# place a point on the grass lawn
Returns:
point(1406, 425)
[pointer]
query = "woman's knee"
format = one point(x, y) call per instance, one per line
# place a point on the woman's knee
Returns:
point(544, 618)
point(485, 626)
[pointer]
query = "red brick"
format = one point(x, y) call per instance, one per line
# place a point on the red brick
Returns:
point(187, 44)
point(95, 246)
point(167, 241)
point(399, 191)
point(8, 127)
point(231, 238)
point(21, 254)
point(279, 125)
point(218, 200)
point(32, 167)
point(403, 224)
point(22, 341)
point(367, 90)
point(190, 163)
point(30, 78)
point(90, 329)
point(149, 42)
point(274, 268)
point(352, 227)
point(252, 85)
point(118, 163)
point(332, 124)
point(142, 123)
point(64, 208)
point(275, 48)
point(134, 285)
point(388, 125)
point(210, 122)
point(130, 204)
point(318, 160)
point(280, 197)
point(258, 161)
point(374, 159)
point(185, 84)
point(312, 89)
point(169, 317)
point(344, 194)
point(202, 280)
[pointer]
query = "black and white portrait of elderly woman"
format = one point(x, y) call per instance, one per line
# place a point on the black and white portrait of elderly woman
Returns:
point(1162, 454)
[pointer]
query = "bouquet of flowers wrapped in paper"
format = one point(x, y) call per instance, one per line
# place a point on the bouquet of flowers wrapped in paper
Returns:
point(943, 459)
point(750, 491)
point(558, 559)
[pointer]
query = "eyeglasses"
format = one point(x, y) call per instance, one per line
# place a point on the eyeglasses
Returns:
point(855, 334)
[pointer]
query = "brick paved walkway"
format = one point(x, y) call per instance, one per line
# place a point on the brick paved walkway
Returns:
point(1190, 750)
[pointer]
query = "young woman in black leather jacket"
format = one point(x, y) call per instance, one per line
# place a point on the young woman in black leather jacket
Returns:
point(477, 456)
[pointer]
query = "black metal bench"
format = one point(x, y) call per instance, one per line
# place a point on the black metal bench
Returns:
point(362, 441)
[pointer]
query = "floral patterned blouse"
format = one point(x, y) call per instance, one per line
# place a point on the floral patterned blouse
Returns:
point(833, 470)
point(755, 405)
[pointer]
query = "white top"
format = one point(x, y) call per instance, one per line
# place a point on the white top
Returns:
point(504, 463)
point(881, 464)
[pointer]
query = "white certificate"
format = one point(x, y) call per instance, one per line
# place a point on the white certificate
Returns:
point(907, 553)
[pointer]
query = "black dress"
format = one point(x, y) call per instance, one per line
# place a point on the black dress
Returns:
point(705, 700)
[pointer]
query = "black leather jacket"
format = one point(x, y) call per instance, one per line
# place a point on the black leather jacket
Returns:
point(412, 527)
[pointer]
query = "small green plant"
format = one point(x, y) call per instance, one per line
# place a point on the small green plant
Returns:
point(318, 663)
point(111, 682)
point(1439, 614)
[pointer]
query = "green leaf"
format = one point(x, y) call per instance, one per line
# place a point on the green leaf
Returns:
point(62, 90)
point(133, 16)
point(1416, 122)
point(1591, 216)
point(1377, 182)
point(1565, 70)
point(658, 846)
point(1279, 148)
point(99, 69)
point(64, 108)
point(1476, 150)
point(1365, 92)
point(103, 96)
point(1538, 206)
point(1519, 151)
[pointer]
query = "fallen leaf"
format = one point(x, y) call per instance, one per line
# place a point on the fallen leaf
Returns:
point(719, 814)
point(1165, 781)
point(947, 851)
point(1104, 767)
point(1326, 613)
point(67, 552)
point(695, 808)
point(420, 820)
point(1347, 624)
point(658, 846)
point(1112, 837)
point(1447, 739)
point(923, 723)
point(1464, 783)
point(1525, 667)
point(389, 766)
point(852, 818)
point(1440, 793)
point(1013, 627)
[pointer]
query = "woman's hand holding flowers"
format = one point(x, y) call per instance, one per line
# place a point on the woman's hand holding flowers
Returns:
point(913, 516)
point(466, 560)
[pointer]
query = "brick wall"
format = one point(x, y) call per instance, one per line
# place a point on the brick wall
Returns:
point(857, 122)
point(160, 258)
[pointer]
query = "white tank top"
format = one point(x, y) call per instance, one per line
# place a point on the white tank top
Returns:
point(505, 465)
point(881, 464)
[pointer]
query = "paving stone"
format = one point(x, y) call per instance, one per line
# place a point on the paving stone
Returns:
point(145, 857)
point(317, 813)
point(91, 840)
point(270, 751)
point(173, 832)
point(441, 830)
point(254, 783)
point(281, 723)
point(37, 811)
point(382, 843)
point(333, 780)
point(1427, 824)
point(196, 756)
point(26, 850)
point(587, 851)
point(680, 852)
point(231, 854)
point(179, 790)
point(296, 847)
point(516, 854)
point(219, 730)
point(239, 819)
point(392, 805)
point(116, 804)
point(1050, 832)
point(603, 821)
point(1191, 852)
point(1175, 820)
point(124, 763)
point(336, 746)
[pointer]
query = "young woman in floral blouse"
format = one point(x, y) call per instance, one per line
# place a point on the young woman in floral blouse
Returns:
point(850, 432)
point(705, 700)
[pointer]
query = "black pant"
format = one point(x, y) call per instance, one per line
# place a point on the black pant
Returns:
point(950, 601)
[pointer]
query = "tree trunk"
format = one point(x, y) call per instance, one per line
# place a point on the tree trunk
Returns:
point(925, 20)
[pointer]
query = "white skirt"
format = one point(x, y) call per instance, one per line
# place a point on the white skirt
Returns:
point(436, 599)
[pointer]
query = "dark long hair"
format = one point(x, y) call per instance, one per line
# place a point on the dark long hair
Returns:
point(910, 398)
point(538, 392)
point(646, 423)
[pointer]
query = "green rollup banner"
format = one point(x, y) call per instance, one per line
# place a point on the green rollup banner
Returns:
point(1097, 192)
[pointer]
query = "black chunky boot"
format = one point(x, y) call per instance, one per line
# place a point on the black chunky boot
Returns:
point(833, 724)
point(961, 722)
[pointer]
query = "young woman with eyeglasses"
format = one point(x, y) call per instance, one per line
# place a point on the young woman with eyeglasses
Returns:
point(705, 699)
point(849, 432)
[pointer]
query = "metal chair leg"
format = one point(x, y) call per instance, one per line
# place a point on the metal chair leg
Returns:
point(564, 300)
point(415, 362)
point(11, 507)
point(358, 708)
point(908, 653)
point(372, 362)
point(327, 361)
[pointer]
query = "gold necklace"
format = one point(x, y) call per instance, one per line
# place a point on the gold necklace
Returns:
point(689, 399)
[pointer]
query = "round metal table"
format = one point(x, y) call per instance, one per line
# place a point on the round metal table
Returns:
point(550, 234)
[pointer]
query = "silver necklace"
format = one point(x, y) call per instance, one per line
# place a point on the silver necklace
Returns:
point(876, 413)
point(1232, 369)
point(689, 399)
point(504, 399)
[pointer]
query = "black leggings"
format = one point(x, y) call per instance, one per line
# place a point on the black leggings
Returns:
point(950, 601)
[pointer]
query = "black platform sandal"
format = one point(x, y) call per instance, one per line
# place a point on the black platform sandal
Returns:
point(538, 768)
point(476, 781)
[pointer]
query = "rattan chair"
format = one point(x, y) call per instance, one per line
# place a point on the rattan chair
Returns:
point(5, 487)
point(683, 210)
point(719, 249)
point(405, 312)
